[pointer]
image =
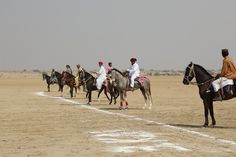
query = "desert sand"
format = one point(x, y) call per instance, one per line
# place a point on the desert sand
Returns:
point(37, 123)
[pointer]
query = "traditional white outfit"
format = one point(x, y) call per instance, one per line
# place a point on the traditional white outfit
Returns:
point(134, 72)
point(101, 77)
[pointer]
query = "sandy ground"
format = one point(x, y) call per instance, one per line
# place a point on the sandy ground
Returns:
point(36, 123)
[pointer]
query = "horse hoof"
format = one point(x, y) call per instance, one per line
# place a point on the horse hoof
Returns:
point(149, 108)
point(212, 126)
point(205, 125)
point(144, 108)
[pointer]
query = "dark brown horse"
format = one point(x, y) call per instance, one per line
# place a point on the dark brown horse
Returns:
point(48, 80)
point(69, 80)
point(59, 81)
point(206, 92)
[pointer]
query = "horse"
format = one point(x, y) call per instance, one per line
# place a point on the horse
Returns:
point(121, 83)
point(89, 80)
point(59, 80)
point(48, 79)
point(69, 80)
point(204, 82)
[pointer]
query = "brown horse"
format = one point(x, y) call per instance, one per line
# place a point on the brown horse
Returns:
point(69, 80)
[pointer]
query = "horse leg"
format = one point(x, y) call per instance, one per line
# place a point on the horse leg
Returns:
point(150, 97)
point(48, 87)
point(115, 91)
point(150, 100)
point(99, 92)
point(126, 102)
point(71, 92)
point(212, 113)
point(105, 92)
point(145, 97)
point(75, 91)
point(89, 96)
point(121, 100)
point(206, 107)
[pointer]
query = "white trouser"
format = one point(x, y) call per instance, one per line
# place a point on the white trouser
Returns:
point(221, 82)
point(132, 78)
point(99, 82)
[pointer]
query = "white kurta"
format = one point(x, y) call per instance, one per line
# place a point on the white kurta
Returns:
point(101, 77)
point(134, 72)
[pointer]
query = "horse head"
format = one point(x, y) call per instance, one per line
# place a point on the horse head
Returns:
point(189, 74)
point(201, 75)
point(44, 75)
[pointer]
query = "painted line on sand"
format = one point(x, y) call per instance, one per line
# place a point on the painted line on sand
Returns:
point(218, 140)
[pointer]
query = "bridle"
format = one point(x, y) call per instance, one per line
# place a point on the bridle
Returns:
point(83, 77)
point(191, 70)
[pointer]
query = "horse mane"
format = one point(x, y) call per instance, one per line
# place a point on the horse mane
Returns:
point(203, 69)
point(56, 72)
point(117, 71)
point(86, 72)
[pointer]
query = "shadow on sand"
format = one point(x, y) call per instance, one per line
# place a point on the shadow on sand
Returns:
point(117, 108)
point(197, 126)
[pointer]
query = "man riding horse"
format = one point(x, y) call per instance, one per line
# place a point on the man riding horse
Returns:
point(228, 72)
point(101, 75)
point(53, 78)
point(134, 71)
point(81, 71)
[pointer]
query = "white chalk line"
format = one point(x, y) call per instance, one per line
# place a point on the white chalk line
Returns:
point(221, 141)
point(125, 139)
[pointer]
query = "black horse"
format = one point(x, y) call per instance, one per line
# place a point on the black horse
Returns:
point(89, 80)
point(48, 80)
point(206, 92)
point(69, 80)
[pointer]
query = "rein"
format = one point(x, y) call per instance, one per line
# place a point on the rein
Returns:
point(200, 84)
point(90, 77)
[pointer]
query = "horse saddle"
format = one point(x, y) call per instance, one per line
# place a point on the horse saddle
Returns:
point(138, 80)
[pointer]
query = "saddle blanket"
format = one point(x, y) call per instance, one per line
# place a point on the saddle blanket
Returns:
point(221, 82)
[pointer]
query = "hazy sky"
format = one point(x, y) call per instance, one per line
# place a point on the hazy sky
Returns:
point(161, 34)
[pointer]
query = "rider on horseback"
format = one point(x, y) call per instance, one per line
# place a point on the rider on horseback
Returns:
point(134, 71)
point(80, 72)
point(68, 69)
point(109, 68)
point(53, 78)
point(228, 71)
point(101, 75)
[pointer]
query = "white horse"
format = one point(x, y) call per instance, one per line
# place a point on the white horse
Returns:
point(121, 82)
